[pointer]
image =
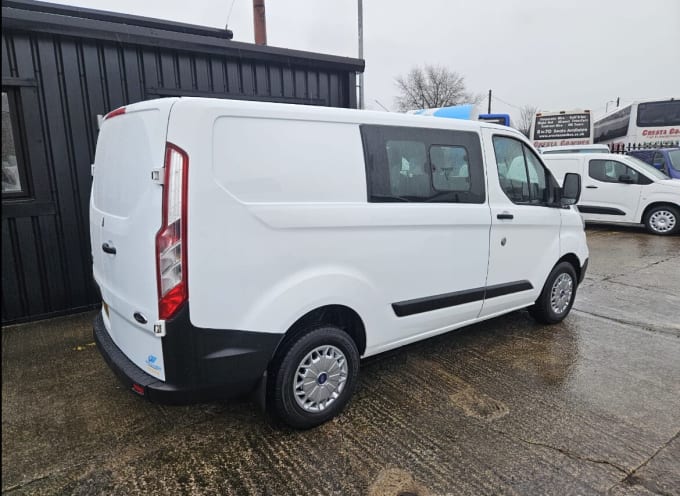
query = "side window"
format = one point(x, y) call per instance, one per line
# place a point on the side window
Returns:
point(450, 168)
point(609, 171)
point(423, 165)
point(13, 175)
point(538, 180)
point(522, 176)
point(512, 169)
point(659, 162)
point(407, 161)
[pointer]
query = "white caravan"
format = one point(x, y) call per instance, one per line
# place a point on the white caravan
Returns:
point(622, 189)
point(243, 245)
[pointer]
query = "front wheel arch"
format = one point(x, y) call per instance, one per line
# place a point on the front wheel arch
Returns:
point(654, 205)
point(574, 261)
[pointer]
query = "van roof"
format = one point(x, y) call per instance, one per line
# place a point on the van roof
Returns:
point(333, 114)
point(575, 147)
point(588, 155)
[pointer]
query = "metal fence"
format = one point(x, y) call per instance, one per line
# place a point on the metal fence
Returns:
point(624, 148)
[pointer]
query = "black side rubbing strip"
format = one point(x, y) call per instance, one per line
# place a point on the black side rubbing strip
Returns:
point(507, 288)
point(429, 303)
point(600, 210)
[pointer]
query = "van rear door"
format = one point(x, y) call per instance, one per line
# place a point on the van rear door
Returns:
point(125, 216)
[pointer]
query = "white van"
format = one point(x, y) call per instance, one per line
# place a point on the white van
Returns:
point(246, 244)
point(622, 189)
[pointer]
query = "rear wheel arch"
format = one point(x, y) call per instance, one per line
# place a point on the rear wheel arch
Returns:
point(341, 316)
point(332, 333)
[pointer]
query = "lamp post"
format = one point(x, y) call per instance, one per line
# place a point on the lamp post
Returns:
point(606, 107)
point(360, 16)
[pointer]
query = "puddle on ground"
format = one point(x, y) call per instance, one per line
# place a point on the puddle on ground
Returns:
point(466, 398)
point(397, 482)
point(478, 405)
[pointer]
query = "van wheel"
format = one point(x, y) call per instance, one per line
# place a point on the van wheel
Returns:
point(557, 296)
point(663, 220)
point(313, 377)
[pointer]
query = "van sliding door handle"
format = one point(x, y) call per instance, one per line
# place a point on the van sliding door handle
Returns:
point(505, 216)
point(591, 187)
point(107, 248)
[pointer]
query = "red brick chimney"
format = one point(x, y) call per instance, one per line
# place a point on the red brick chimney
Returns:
point(260, 22)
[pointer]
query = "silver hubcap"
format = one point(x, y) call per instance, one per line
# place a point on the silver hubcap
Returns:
point(662, 221)
point(320, 378)
point(561, 292)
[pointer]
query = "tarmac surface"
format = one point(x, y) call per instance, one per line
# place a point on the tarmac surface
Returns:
point(590, 406)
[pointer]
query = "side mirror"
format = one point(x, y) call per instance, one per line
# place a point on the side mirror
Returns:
point(625, 178)
point(571, 189)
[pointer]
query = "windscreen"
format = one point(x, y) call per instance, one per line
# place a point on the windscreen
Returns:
point(648, 169)
point(657, 114)
point(674, 157)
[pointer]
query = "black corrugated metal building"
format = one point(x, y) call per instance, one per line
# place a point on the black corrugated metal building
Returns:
point(61, 68)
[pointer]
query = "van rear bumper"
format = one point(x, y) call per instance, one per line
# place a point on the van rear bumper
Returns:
point(200, 364)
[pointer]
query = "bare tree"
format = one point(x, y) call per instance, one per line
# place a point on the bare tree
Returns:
point(526, 117)
point(432, 86)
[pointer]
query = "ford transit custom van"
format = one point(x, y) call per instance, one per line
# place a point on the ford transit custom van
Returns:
point(247, 245)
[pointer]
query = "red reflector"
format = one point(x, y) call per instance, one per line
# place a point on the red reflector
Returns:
point(114, 113)
point(173, 299)
point(138, 389)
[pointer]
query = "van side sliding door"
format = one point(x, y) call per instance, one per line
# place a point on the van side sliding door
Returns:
point(430, 184)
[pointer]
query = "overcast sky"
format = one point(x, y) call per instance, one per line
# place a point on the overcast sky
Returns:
point(553, 55)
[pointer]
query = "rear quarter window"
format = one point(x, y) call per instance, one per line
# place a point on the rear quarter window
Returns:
point(418, 165)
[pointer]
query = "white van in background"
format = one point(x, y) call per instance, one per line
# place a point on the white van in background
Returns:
point(622, 189)
point(239, 244)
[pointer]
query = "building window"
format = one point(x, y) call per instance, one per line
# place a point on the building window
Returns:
point(13, 178)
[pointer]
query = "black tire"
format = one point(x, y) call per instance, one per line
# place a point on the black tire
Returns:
point(663, 220)
point(282, 400)
point(543, 310)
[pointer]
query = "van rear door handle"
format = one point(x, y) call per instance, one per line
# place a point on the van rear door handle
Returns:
point(505, 216)
point(107, 248)
point(591, 187)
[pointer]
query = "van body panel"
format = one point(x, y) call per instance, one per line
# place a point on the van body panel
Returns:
point(338, 249)
point(572, 237)
point(125, 215)
point(325, 171)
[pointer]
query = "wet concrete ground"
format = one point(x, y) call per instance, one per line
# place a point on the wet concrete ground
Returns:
point(591, 406)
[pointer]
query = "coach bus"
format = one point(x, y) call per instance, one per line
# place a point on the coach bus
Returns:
point(641, 122)
point(565, 127)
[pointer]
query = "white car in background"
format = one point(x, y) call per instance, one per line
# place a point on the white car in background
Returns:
point(622, 189)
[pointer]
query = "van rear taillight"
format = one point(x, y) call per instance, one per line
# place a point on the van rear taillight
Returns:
point(114, 113)
point(171, 246)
